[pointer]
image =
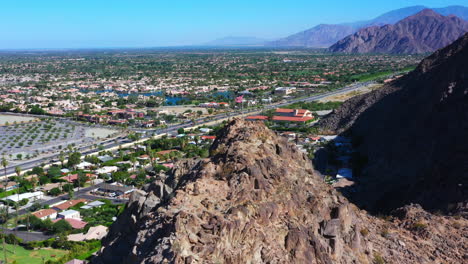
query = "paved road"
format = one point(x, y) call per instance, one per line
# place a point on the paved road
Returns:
point(27, 236)
point(172, 129)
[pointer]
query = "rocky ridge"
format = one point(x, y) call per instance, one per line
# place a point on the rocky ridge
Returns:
point(257, 199)
point(325, 35)
point(411, 134)
point(423, 32)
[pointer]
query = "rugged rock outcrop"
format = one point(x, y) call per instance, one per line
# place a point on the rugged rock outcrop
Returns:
point(413, 135)
point(426, 31)
point(257, 199)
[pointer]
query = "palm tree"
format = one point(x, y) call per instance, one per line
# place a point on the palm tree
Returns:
point(4, 217)
point(4, 164)
point(133, 160)
point(18, 173)
point(152, 156)
point(62, 158)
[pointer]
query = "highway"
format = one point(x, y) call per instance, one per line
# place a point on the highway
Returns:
point(148, 133)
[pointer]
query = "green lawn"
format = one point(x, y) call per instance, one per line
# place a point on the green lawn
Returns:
point(24, 256)
point(371, 76)
point(7, 193)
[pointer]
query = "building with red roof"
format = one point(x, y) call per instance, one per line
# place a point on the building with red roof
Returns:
point(45, 213)
point(75, 223)
point(256, 118)
point(293, 112)
point(292, 119)
point(208, 137)
point(70, 178)
point(70, 203)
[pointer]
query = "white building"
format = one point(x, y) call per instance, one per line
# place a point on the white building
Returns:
point(31, 196)
point(107, 169)
point(285, 90)
point(105, 158)
point(73, 214)
point(205, 130)
point(46, 213)
point(92, 205)
point(84, 165)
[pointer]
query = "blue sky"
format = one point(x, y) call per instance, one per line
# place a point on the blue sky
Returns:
point(149, 23)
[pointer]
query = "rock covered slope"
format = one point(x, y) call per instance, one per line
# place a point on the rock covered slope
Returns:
point(426, 31)
point(413, 133)
point(258, 200)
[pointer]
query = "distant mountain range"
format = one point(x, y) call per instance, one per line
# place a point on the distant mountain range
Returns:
point(426, 31)
point(236, 41)
point(324, 35)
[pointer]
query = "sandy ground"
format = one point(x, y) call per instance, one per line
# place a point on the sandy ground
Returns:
point(345, 96)
point(181, 109)
point(99, 132)
point(12, 118)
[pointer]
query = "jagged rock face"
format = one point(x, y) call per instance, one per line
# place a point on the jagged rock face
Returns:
point(413, 133)
point(426, 31)
point(256, 200)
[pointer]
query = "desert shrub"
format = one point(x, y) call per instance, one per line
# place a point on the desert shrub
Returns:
point(419, 226)
point(364, 232)
point(378, 259)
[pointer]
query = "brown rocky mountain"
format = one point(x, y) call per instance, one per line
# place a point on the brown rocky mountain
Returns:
point(424, 32)
point(325, 35)
point(321, 36)
point(257, 199)
point(413, 135)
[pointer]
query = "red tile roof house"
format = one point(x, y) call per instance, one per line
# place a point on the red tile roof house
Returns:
point(68, 204)
point(208, 137)
point(70, 178)
point(293, 112)
point(148, 124)
point(292, 115)
point(315, 138)
point(256, 118)
point(75, 223)
point(9, 186)
point(144, 157)
point(292, 119)
point(74, 177)
point(45, 213)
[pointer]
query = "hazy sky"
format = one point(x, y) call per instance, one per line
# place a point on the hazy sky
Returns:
point(150, 23)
